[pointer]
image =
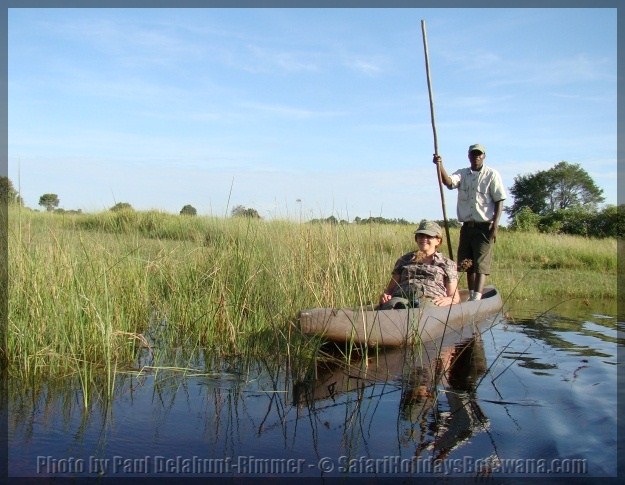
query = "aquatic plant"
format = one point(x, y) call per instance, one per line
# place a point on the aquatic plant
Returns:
point(94, 292)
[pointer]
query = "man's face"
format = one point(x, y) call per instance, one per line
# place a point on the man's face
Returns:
point(476, 158)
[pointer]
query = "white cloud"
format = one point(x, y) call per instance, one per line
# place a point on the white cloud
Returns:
point(268, 59)
point(365, 66)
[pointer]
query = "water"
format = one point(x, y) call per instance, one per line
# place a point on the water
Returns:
point(535, 395)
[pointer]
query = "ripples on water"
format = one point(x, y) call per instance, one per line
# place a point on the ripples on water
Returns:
point(538, 387)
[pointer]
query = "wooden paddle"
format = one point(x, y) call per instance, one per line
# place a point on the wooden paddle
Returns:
point(438, 167)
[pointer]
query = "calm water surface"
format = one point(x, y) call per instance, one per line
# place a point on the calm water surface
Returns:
point(535, 394)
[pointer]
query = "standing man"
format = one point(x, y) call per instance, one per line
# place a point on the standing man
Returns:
point(480, 203)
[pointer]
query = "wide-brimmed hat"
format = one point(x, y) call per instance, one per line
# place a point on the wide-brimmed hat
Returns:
point(429, 228)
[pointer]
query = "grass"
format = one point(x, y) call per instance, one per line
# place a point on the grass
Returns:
point(90, 293)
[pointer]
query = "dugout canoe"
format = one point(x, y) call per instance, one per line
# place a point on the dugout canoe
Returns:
point(398, 328)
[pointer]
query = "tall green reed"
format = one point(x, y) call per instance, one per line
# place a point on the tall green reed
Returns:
point(75, 297)
point(91, 292)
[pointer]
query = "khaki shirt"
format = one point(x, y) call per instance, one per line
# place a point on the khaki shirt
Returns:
point(477, 193)
point(418, 279)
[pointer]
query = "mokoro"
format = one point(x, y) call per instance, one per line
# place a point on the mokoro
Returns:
point(397, 328)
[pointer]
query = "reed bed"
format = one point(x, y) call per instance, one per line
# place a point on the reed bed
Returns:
point(91, 293)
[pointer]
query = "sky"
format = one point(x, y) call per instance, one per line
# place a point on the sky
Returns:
point(302, 113)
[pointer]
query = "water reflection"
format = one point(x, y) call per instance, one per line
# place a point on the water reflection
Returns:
point(438, 410)
point(570, 326)
point(538, 385)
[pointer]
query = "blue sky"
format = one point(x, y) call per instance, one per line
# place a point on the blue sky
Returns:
point(311, 112)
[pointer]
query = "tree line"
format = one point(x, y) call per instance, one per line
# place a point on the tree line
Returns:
point(562, 199)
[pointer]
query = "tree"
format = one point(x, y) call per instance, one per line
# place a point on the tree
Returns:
point(49, 201)
point(573, 187)
point(609, 222)
point(242, 211)
point(188, 210)
point(564, 186)
point(8, 194)
point(121, 206)
point(531, 192)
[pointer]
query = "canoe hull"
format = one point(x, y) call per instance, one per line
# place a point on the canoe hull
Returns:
point(397, 328)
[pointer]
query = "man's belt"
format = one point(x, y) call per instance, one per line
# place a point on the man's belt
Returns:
point(476, 224)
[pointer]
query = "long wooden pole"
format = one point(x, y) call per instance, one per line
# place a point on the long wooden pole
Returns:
point(438, 168)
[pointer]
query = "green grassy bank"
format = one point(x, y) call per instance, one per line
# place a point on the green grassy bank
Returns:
point(91, 291)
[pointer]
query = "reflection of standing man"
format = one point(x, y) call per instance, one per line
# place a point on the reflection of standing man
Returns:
point(480, 203)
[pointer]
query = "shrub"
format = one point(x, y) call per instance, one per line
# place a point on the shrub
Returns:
point(121, 206)
point(188, 210)
point(526, 220)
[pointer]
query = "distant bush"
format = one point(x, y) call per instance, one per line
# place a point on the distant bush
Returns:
point(242, 211)
point(69, 211)
point(525, 220)
point(577, 221)
point(188, 210)
point(609, 222)
point(121, 206)
point(380, 220)
point(328, 220)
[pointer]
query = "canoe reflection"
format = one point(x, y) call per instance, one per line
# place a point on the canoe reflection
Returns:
point(438, 410)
